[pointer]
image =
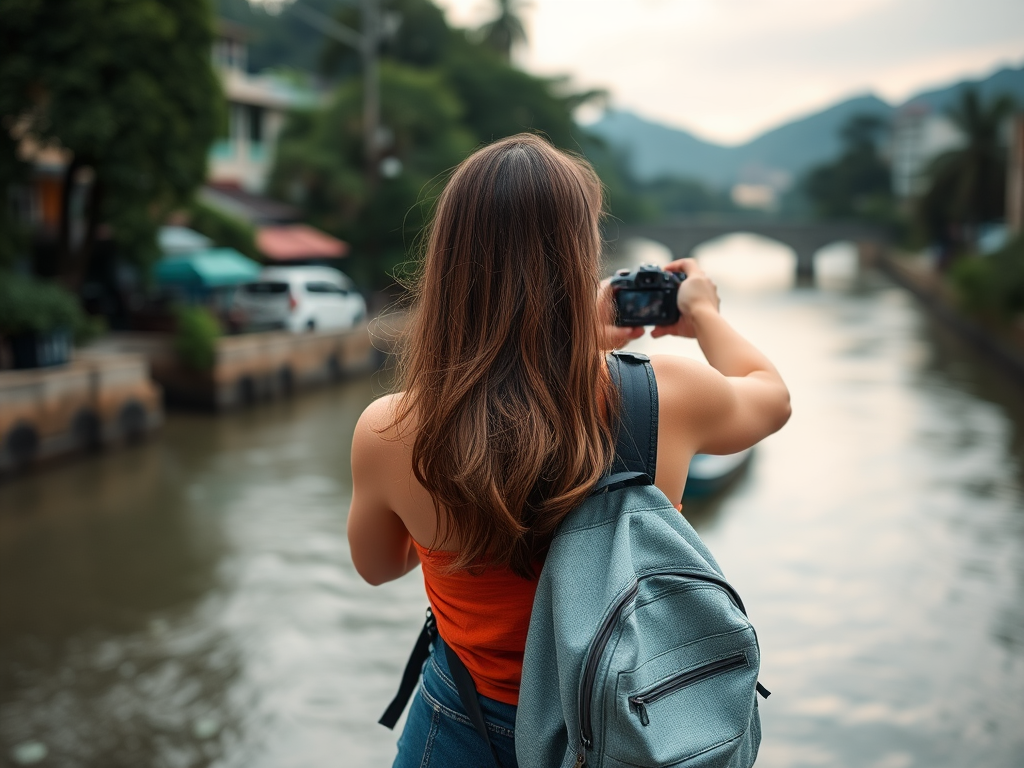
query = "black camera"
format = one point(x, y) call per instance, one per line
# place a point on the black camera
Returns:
point(646, 296)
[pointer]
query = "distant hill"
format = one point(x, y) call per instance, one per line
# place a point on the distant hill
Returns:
point(655, 150)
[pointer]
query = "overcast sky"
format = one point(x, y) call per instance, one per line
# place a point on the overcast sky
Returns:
point(729, 69)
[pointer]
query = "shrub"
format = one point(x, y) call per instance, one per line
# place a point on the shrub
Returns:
point(195, 338)
point(992, 285)
point(28, 305)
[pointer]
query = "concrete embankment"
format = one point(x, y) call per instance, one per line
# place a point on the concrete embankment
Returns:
point(97, 399)
point(253, 366)
point(114, 391)
point(1004, 346)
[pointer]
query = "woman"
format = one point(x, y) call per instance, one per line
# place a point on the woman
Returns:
point(505, 421)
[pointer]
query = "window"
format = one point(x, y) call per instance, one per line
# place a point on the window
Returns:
point(265, 289)
point(256, 125)
point(321, 286)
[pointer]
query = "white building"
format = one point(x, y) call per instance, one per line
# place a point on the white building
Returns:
point(919, 135)
point(257, 105)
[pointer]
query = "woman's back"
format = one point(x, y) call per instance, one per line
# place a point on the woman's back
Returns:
point(507, 415)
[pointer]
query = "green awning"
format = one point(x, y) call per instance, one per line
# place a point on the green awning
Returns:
point(211, 268)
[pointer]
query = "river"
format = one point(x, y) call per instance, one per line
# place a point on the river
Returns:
point(191, 601)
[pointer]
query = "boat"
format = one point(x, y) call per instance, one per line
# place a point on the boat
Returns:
point(709, 474)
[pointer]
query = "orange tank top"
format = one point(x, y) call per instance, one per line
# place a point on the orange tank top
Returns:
point(484, 618)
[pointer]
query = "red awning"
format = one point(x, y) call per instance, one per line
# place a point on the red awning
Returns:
point(290, 242)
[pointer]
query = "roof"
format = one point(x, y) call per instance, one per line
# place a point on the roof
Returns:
point(254, 209)
point(298, 241)
point(181, 240)
point(211, 268)
point(267, 90)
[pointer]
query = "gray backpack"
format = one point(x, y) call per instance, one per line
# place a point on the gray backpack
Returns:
point(639, 651)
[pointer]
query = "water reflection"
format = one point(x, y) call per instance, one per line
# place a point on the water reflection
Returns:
point(193, 602)
point(879, 539)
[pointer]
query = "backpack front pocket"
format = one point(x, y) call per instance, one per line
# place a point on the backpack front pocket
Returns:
point(640, 701)
point(683, 686)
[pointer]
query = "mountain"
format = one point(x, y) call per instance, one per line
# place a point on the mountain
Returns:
point(778, 155)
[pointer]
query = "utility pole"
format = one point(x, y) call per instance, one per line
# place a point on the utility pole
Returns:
point(371, 89)
point(367, 43)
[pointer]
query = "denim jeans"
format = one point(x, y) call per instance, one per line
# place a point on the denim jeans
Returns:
point(438, 732)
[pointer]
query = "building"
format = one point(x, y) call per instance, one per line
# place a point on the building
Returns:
point(919, 135)
point(241, 161)
point(257, 107)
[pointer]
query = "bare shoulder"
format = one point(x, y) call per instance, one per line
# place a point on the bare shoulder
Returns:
point(379, 434)
point(379, 416)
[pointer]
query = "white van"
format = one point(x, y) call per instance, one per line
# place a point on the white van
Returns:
point(301, 299)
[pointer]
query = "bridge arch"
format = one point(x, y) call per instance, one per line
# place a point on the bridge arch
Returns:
point(804, 238)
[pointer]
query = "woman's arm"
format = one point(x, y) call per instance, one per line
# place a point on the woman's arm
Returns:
point(741, 398)
point(382, 549)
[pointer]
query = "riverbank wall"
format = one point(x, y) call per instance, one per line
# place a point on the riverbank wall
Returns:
point(1004, 347)
point(252, 367)
point(98, 399)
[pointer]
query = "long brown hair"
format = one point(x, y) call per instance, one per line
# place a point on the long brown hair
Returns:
point(502, 366)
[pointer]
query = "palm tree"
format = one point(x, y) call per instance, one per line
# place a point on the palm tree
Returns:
point(968, 185)
point(506, 30)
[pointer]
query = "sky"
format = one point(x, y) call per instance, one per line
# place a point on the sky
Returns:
point(729, 69)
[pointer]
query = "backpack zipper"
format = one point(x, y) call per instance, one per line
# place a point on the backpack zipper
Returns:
point(684, 680)
point(604, 633)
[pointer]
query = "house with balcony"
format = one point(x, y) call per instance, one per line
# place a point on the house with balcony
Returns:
point(257, 107)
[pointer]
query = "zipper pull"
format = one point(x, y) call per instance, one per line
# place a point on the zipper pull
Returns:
point(641, 710)
point(581, 759)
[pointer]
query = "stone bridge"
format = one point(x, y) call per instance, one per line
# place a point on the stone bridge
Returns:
point(806, 238)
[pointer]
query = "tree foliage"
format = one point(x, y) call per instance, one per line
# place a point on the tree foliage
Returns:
point(126, 88)
point(967, 186)
point(320, 161)
point(506, 30)
point(442, 94)
point(223, 228)
point(856, 184)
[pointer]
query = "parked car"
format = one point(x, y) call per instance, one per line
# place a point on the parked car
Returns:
point(301, 299)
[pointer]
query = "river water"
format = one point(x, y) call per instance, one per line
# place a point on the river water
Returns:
point(191, 602)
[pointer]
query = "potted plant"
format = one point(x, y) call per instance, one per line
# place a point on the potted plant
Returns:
point(39, 320)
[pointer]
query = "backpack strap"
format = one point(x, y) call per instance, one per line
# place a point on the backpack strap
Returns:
point(468, 696)
point(461, 676)
point(636, 445)
point(411, 676)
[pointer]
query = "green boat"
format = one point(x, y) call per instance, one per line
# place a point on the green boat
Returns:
point(710, 474)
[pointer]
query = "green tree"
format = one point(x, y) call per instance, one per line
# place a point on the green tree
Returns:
point(420, 37)
point(506, 30)
point(319, 162)
point(967, 186)
point(498, 99)
point(857, 184)
point(126, 88)
point(442, 94)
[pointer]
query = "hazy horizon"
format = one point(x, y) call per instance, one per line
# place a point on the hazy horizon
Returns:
point(761, 63)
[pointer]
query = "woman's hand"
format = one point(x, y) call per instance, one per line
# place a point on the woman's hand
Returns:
point(696, 294)
point(613, 337)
